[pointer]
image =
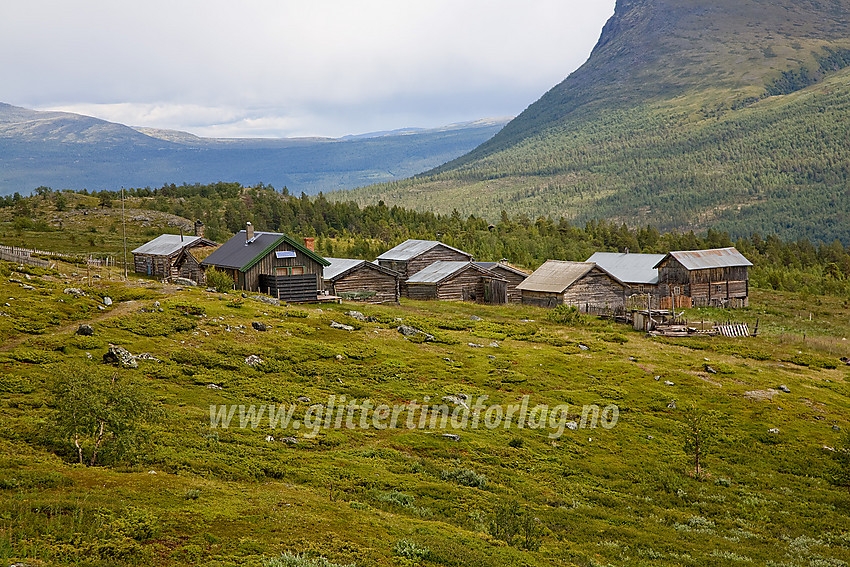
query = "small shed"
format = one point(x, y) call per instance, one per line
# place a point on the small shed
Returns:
point(157, 257)
point(188, 262)
point(582, 284)
point(411, 256)
point(361, 280)
point(718, 277)
point(457, 281)
point(270, 262)
point(513, 275)
point(637, 271)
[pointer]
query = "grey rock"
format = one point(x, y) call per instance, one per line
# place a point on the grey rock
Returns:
point(452, 436)
point(266, 299)
point(773, 430)
point(836, 428)
point(253, 360)
point(259, 326)
point(668, 383)
point(290, 440)
point(409, 331)
point(650, 437)
point(186, 282)
point(120, 356)
point(356, 315)
point(14, 280)
point(211, 290)
point(27, 286)
point(304, 399)
point(85, 330)
point(710, 370)
point(214, 387)
point(107, 301)
point(147, 356)
point(74, 291)
point(269, 438)
point(335, 325)
point(784, 388)
point(572, 425)
point(244, 295)
point(156, 304)
point(475, 317)
point(672, 405)
point(491, 357)
point(583, 347)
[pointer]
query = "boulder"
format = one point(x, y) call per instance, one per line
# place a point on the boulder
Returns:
point(120, 356)
point(784, 388)
point(409, 331)
point(452, 436)
point(107, 301)
point(266, 299)
point(303, 399)
point(356, 315)
point(74, 291)
point(335, 325)
point(253, 360)
point(259, 326)
point(572, 425)
point(214, 387)
point(85, 330)
point(185, 281)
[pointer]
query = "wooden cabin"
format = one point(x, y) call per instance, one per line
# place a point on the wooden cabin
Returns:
point(411, 256)
point(513, 275)
point(699, 278)
point(157, 257)
point(272, 263)
point(637, 271)
point(582, 284)
point(360, 280)
point(457, 281)
point(188, 263)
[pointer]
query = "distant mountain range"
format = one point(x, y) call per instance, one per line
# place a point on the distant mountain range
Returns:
point(689, 114)
point(70, 151)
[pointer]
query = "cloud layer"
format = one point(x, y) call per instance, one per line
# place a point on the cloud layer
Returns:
point(289, 68)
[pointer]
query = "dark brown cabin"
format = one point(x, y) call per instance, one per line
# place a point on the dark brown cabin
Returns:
point(158, 257)
point(582, 284)
point(411, 256)
point(514, 276)
point(359, 280)
point(272, 263)
point(714, 278)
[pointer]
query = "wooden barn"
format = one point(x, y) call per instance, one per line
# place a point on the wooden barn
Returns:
point(157, 257)
point(698, 278)
point(271, 263)
point(457, 281)
point(513, 275)
point(360, 280)
point(637, 271)
point(411, 256)
point(582, 284)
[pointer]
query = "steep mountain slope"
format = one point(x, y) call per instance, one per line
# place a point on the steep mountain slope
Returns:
point(683, 113)
point(69, 151)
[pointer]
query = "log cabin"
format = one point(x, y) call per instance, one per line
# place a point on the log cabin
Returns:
point(582, 284)
point(411, 256)
point(513, 275)
point(699, 278)
point(637, 271)
point(360, 280)
point(270, 262)
point(457, 281)
point(157, 257)
point(188, 263)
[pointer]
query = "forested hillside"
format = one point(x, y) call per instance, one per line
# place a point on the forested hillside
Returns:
point(688, 115)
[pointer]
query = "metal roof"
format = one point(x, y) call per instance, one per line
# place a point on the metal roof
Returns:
point(438, 271)
point(238, 255)
point(555, 276)
point(629, 268)
point(502, 265)
point(166, 244)
point(412, 248)
point(340, 265)
point(705, 259)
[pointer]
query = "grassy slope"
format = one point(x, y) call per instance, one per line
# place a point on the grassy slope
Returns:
point(617, 497)
point(659, 126)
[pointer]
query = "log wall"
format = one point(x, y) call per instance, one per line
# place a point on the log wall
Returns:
point(367, 278)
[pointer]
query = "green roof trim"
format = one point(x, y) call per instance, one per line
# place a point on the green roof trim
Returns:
point(283, 238)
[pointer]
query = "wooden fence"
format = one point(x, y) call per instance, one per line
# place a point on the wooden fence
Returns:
point(26, 256)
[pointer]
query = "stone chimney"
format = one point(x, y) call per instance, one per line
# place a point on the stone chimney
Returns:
point(310, 243)
point(199, 228)
point(249, 232)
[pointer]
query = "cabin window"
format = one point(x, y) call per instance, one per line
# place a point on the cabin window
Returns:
point(677, 290)
point(289, 271)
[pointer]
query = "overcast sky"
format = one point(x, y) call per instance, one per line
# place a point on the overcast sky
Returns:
point(246, 68)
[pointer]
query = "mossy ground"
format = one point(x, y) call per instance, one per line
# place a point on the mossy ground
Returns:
point(621, 496)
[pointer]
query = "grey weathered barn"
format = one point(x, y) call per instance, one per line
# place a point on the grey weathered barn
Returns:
point(360, 280)
point(272, 263)
point(513, 275)
point(157, 257)
point(411, 256)
point(718, 277)
point(637, 271)
point(188, 262)
point(581, 284)
point(457, 281)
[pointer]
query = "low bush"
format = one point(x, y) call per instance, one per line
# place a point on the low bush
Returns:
point(219, 280)
point(465, 477)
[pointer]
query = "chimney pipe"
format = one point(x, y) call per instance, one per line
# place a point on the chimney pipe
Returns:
point(249, 232)
point(199, 228)
point(181, 234)
point(310, 243)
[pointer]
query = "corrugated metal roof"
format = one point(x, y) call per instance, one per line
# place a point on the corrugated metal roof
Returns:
point(502, 265)
point(438, 271)
point(629, 268)
point(412, 248)
point(554, 276)
point(705, 259)
point(165, 244)
point(340, 265)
